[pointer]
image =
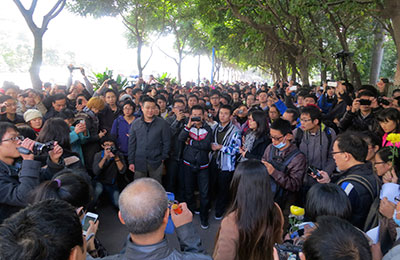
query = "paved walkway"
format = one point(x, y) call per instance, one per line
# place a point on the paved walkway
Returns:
point(113, 234)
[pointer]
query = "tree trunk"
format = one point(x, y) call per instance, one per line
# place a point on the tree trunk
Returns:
point(284, 70)
point(303, 67)
point(198, 71)
point(394, 15)
point(323, 73)
point(139, 57)
point(37, 59)
point(293, 66)
point(377, 54)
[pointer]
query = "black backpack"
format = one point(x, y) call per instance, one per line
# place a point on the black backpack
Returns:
point(373, 213)
point(280, 164)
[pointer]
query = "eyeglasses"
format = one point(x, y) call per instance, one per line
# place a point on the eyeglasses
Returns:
point(375, 163)
point(13, 139)
point(305, 120)
point(277, 138)
point(333, 153)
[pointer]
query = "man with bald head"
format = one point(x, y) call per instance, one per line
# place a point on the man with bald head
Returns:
point(144, 211)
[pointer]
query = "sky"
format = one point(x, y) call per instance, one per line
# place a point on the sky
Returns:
point(97, 44)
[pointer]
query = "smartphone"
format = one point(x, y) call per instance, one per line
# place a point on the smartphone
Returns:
point(315, 172)
point(331, 84)
point(293, 88)
point(169, 229)
point(81, 121)
point(3, 109)
point(85, 222)
point(80, 101)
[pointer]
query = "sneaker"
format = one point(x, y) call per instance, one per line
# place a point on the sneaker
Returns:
point(204, 225)
point(217, 217)
point(197, 211)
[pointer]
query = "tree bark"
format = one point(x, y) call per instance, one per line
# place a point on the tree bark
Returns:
point(377, 54)
point(37, 58)
point(394, 15)
point(198, 70)
point(139, 57)
point(303, 67)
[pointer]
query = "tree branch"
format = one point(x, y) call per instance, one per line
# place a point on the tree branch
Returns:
point(33, 6)
point(166, 54)
point(57, 8)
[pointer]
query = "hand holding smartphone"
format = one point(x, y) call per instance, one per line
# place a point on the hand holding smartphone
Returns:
point(85, 222)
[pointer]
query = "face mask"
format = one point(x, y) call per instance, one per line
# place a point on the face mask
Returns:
point(280, 145)
point(397, 221)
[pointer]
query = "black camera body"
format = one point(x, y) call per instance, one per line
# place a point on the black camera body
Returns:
point(113, 150)
point(382, 101)
point(196, 119)
point(343, 54)
point(365, 102)
point(39, 148)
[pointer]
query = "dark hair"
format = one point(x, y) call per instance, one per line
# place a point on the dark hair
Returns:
point(313, 97)
point(193, 96)
point(313, 112)
point(294, 112)
point(390, 114)
point(47, 230)
point(67, 186)
point(108, 138)
point(111, 91)
point(353, 144)
point(5, 98)
point(260, 117)
point(66, 113)
point(365, 93)
point(282, 126)
point(386, 155)
point(327, 200)
point(333, 239)
point(258, 218)
point(26, 131)
point(197, 107)
point(214, 92)
point(148, 99)
point(130, 103)
point(370, 89)
point(136, 90)
point(4, 127)
point(177, 101)
point(55, 129)
point(395, 90)
point(160, 97)
point(228, 107)
point(371, 138)
point(56, 97)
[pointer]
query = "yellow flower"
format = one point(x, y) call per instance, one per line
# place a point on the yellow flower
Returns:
point(297, 211)
point(393, 138)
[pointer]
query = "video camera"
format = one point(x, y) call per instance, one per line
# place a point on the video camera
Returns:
point(38, 148)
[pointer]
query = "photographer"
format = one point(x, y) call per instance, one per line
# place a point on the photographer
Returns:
point(107, 164)
point(78, 87)
point(18, 179)
point(8, 106)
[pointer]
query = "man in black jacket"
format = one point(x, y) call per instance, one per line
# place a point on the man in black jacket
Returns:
point(149, 143)
point(197, 135)
point(174, 180)
point(357, 177)
point(18, 180)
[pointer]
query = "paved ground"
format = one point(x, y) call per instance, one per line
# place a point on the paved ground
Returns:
point(113, 234)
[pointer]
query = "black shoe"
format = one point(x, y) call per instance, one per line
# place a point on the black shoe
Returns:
point(204, 225)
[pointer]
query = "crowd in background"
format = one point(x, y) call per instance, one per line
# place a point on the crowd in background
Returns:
point(248, 151)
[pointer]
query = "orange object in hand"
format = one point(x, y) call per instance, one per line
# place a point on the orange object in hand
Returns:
point(176, 209)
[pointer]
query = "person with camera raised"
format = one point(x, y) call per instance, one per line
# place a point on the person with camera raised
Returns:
point(18, 179)
point(107, 164)
point(361, 115)
point(197, 136)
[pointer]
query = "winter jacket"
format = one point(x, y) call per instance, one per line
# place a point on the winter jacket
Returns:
point(292, 178)
point(107, 117)
point(18, 180)
point(189, 242)
point(315, 147)
point(357, 193)
point(226, 156)
point(120, 130)
point(176, 145)
point(108, 174)
point(356, 122)
point(198, 146)
point(259, 146)
point(149, 143)
point(326, 103)
point(77, 140)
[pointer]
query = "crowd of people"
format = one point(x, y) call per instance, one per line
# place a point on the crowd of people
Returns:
point(245, 152)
